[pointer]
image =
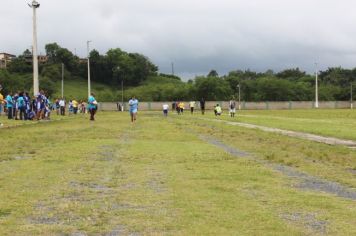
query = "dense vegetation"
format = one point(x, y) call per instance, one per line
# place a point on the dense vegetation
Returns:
point(141, 78)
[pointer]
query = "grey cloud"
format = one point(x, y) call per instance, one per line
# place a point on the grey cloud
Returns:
point(196, 35)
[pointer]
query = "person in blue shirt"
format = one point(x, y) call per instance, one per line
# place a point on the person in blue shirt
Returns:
point(9, 106)
point(92, 106)
point(21, 106)
point(133, 103)
point(27, 99)
point(14, 105)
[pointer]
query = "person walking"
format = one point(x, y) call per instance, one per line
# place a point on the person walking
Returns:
point(9, 106)
point(202, 106)
point(62, 105)
point(92, 106)
point(14, 107)
point(232, 107)
point(181, 106)
point(174, 105)
point(118, 106)
point(165, 109)
point(75, 106)
point(70, 107)
point(28, 107)
point(1, 102)
point(177, 107)
point(57, 106)
point(83, 108)
point(192, 106)
point(133, 103)
point(21, 106)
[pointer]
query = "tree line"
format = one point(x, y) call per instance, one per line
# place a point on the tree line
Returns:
point(142, 78)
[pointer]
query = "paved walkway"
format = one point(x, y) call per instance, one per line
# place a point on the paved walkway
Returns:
point(312, 137)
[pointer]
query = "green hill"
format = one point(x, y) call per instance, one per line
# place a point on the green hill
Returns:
point(78, 89)
point(153, 89)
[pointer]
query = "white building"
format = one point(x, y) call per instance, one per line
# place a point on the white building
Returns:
point(5, 59)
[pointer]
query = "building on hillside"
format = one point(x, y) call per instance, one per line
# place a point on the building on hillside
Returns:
point(83, 60)
point(42, 59)
point(5, 59)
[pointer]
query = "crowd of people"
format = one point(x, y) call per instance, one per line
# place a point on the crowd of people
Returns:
point(21, 106)
point(179, 107)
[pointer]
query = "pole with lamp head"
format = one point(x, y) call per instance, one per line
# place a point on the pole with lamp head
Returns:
point(89, 83)
point(316, 86)
point(34, 5)
point(351, 96)
point(239, 87)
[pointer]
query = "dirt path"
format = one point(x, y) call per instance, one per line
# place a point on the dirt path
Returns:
point(307, 136)
point(305, 180)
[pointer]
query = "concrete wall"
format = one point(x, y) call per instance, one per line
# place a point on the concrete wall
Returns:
point(157, 106)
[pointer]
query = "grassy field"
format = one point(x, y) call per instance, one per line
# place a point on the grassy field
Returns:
point(334, 123)
point(160, 177)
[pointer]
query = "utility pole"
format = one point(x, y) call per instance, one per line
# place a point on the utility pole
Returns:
point(352, 98)
point(239, 96)
point(172, 68)
point(62, 80)
point(36, 88)
point(89, 88)
point(122, 92)
point(316, 86)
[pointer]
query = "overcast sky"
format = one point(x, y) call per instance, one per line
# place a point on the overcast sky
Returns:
point(196, 35)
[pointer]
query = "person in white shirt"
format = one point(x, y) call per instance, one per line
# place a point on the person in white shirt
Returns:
point(62, 105)
point(232, 107)
point(165, 109)
point(192, 106)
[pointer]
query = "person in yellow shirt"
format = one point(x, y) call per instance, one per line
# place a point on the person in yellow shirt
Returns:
point(1, 102)
point(217, 110)
point(75, 106)
point(181, 108)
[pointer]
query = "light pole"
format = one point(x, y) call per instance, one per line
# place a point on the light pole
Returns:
point(117, 69)
point(122, 90)
point(239, 87)
point(62, 80)
point(89, 88)
point(351, 97)
point(36, 88)
point(316, 87)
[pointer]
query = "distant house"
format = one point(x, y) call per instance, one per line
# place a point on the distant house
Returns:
point(5, 59)
point(42, 59)
point(83, 60)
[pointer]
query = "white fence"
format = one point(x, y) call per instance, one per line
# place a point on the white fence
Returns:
point(157, 106)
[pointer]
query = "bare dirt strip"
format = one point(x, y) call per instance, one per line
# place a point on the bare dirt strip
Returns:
point(307, 136)
point(306, 181)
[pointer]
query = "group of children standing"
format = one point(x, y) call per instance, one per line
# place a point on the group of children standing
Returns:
point(74, 107)
point(180, 106)
point(20, 106)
